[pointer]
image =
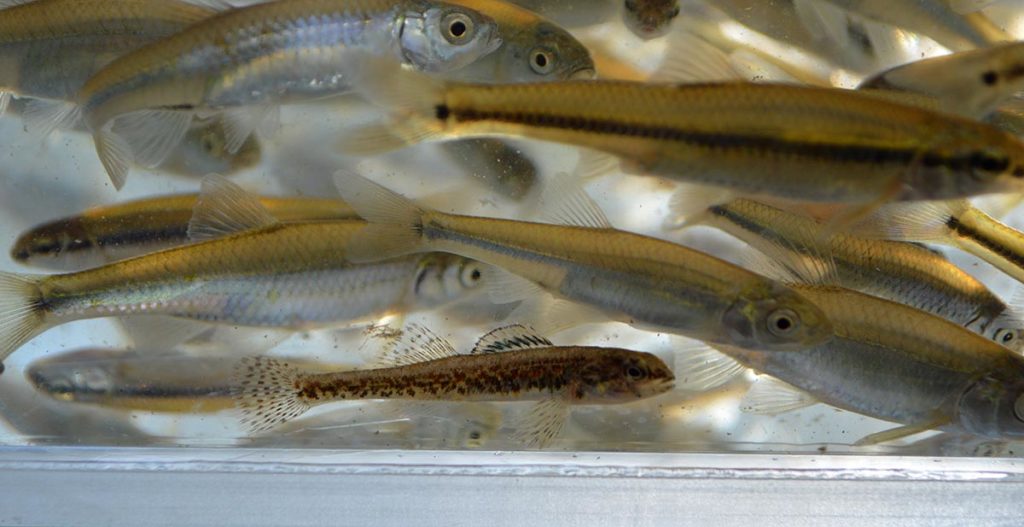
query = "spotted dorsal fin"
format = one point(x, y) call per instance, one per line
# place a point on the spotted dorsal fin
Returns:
point(510, 338)
point(416, 344)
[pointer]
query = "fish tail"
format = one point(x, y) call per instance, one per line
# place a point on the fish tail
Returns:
point(913, 221)
point(415, 101)
point(21, 314)
point(396, 223)
point(265, 391)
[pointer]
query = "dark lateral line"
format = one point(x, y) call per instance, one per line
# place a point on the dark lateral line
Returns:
point(954, 224)
point(848, 153)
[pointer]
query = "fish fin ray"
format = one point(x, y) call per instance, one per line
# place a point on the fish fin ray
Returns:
point(158, 332)
point(395, 221)
point(702, 368)
point(754, 68)
point(690, 205)
point(265, 392)
point(416, 344)
point(593, 164)
point(21, 317)
point(504, 287)
point(115, 154)
point(5, 97)
point(898, 432)
point(153, 134)
point(223, 208)
point(565, 202)
point(549, 315)
point(914, 222)
point(510, 338)
point(826, 23)
point(43, 116)
point(770, 396)
point(690, 58)
point(240, 123)
point(542, 423)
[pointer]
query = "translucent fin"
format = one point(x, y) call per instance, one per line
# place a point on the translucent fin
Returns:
point(266, 393)
point(43, 116)
point(224, 208)
point(387, 84)
point(417, 344)
point(565, 202)
point(702, 367)
point(769, 267)
point(594, 164)
point(542, 423)
point(754, 68)
point(5, 98)
point(504, 287)
point(240, 123)
point(824, 22)
point(510, 338)
point(690, 58)
point(549, 315)
point(21, 316)
point(804, 255)
point(898, 433)
point(115, 154)
point(770, 396)
point(376, 139)
point(917, 222)
point(153, 134)
point(395, 221)
point(689, 204)
point(160, 333)
point(216, 5)
point(998, 205)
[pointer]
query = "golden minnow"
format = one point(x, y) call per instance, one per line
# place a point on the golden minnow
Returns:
point(794, 142)
point(251, 271)
point(953, 223)
point(137, 380)
point(630, 278)
point(902, 272)
point(114, 232)
point(247, 60)
point(508, 364)
point(50, 48)
point(896, 363)
point(971, 83)
point(649, 19)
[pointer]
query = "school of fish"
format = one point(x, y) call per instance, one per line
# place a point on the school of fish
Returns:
point(832, 145)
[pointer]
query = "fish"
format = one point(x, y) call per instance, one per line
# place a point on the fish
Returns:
point(649, 19)
point(242, 63)
point(643, 281)
point(792, 142)
point(250, 270)
point(509, 364)
point(50, 48)
point(533, 49)
point(888, 361)
point(141, 380)
point(123, 230)
point(952, 223)
point(970, 83)
point(932, 18)
point(903, 272)
point(573, 14)
point(204, 150)
point(504, 168)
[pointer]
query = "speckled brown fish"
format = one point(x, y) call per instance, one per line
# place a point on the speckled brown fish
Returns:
point(508, 364)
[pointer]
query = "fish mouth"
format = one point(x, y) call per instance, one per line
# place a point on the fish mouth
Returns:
point(583, 74)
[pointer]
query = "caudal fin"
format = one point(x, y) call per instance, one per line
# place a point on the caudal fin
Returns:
point(20, 315)
point(396, 222)
point(266, 393)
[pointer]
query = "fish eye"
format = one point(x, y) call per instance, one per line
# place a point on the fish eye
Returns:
point(635, 373)
point(990, 78)
point(783, 322)
point(542, 61)
point(470, 275)
point(1018, 408)
point(457, 28)
point(1005, 336)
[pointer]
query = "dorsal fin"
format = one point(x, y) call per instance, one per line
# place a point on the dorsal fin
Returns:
point(565, 202)
point(224, 208)
point(416, 344)
point(510, 338)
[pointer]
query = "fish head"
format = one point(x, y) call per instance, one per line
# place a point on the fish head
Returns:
point(612, 375)
point(1010, 337)
point(532, 49)
point(649, 19)
point(61, 244)
point(70, 380)
point(773, 317)
point(442, 277)
point(994, 405)
point(447, 37)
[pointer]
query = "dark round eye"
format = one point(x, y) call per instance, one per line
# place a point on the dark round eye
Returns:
point(474, 435)
point(470, 275)
point(542, 62)
point(457, 28)
point(986, 166)
point(783, 322)
point(1004, 336)
point(990, 78)
point(635, 372)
